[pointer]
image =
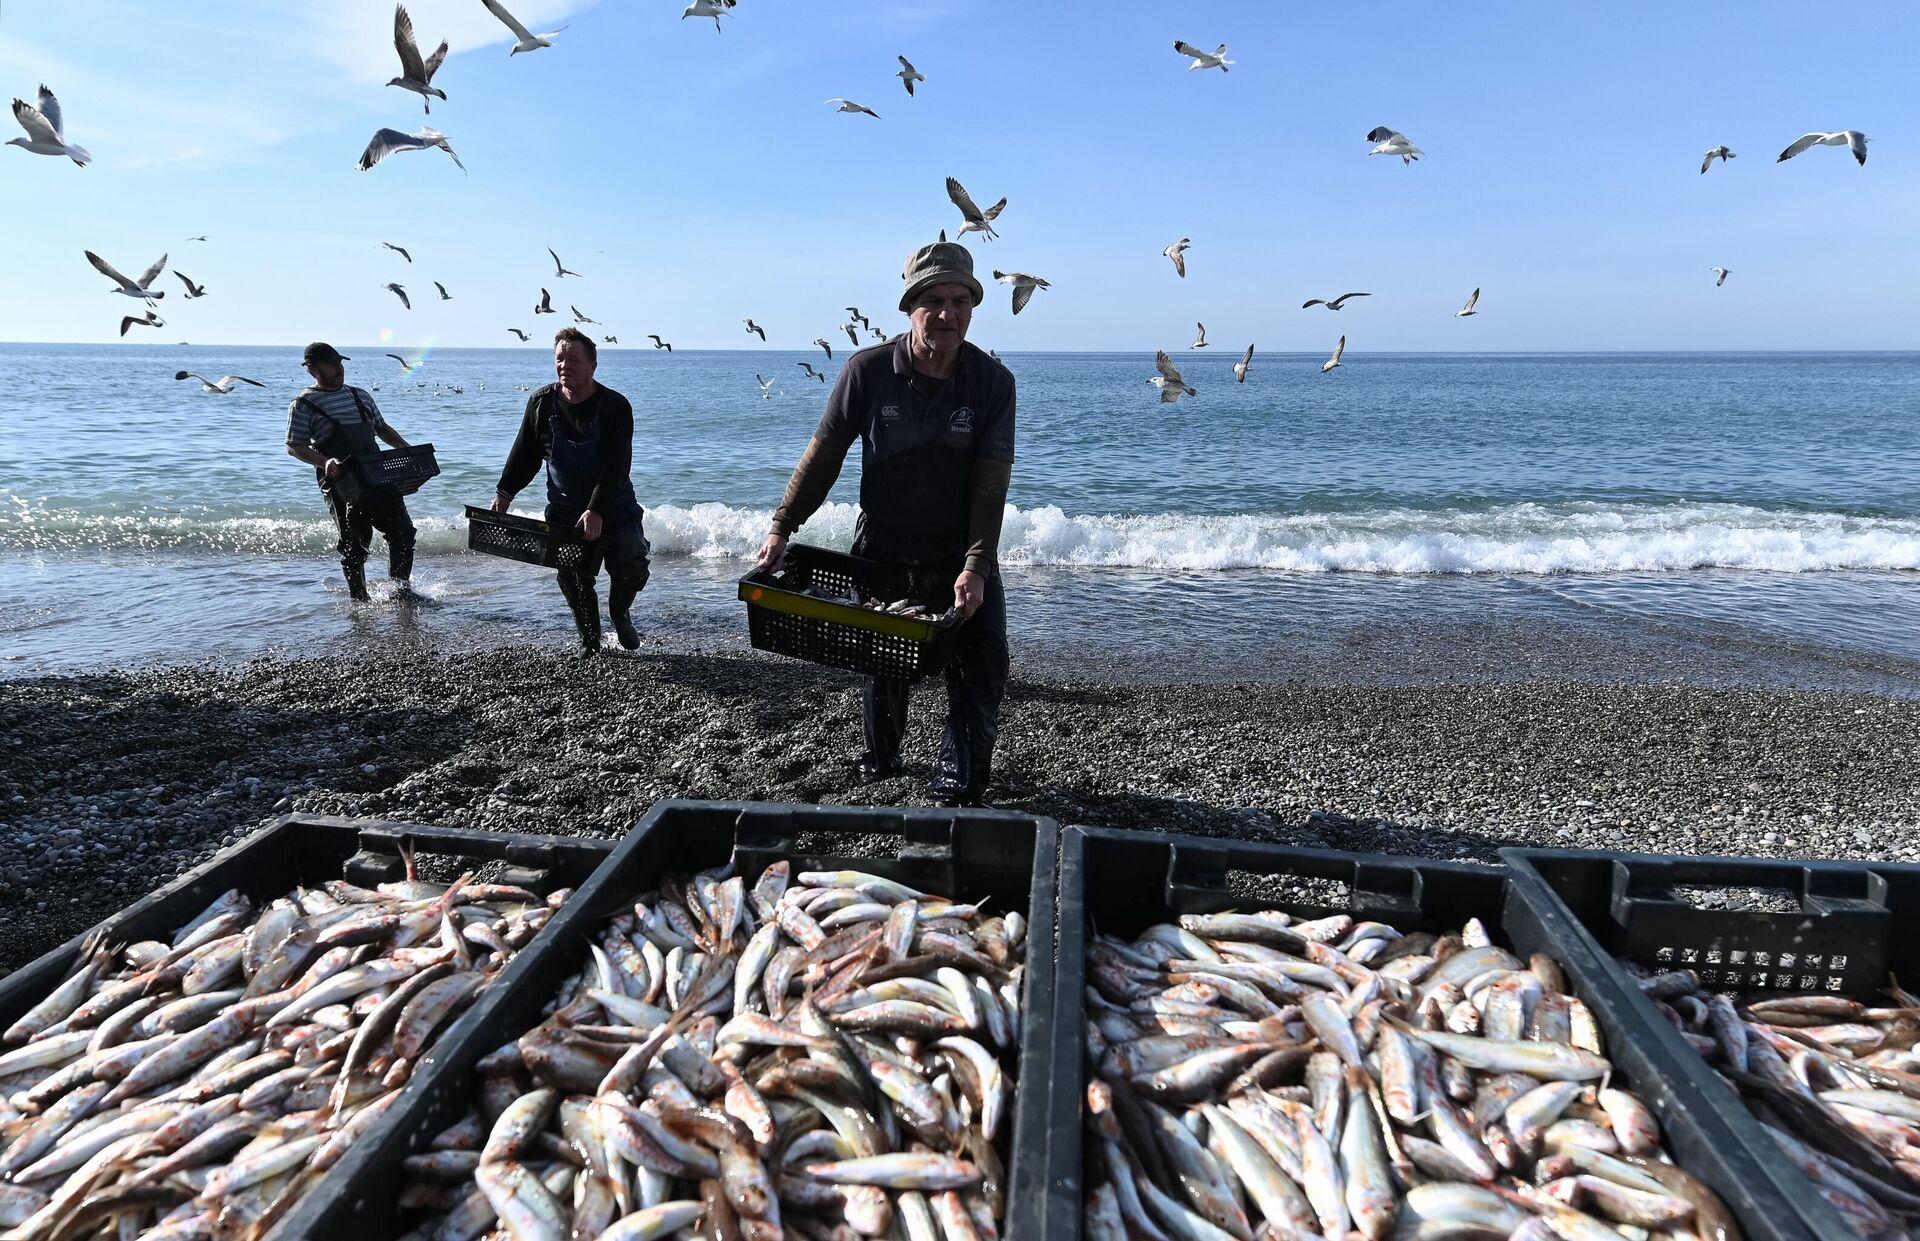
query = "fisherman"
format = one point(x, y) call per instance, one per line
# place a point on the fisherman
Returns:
point(328, 423)
point(934, 416)
point(583, 430)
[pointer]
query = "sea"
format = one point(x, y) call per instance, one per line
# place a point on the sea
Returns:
point(1750, 517)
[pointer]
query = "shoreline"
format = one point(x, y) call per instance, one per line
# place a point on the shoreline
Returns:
point(115, 781)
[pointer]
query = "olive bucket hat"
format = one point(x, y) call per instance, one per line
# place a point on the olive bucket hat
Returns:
point(943, 262)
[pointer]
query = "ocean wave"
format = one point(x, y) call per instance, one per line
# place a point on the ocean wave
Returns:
point(1507, 539)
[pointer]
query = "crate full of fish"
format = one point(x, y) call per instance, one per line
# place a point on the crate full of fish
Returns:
point(200, 1064)
point(867, 616)
point(1299, 1043)
point(528, 539)
point(1784, 978)
point(758, 1020)
point(406, 470)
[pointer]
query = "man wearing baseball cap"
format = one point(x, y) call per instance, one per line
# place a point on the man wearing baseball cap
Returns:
point(934, 416)
point(328, 423)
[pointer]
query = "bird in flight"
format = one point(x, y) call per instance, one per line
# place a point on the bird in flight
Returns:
point(528, 41)
point(877, 333)
point(149, 319)
point(1216, 59)
point(1468, 309)
point(1720, 153)
point(1178, 253)
point(658, 343)
point(416, 75)
point(811, 373)
point(1023, 286)
point(406, 367)
point(202, 237)
point(848, 105)
point(545, 306)
point(1168, 380)
point(605, 340)
point(560, 269)
point(444, 295)
point(1331, 303)
point(386, 141)
point(222, 385)
point(853, 312)
point(977, 221)
point(193, 290)
point(1200, 341)
point(822, 342)
point(708, 8)
point(1852, 139)
point(1393, 142)
point(580, 318)
point(46, 132)
point(757, 329)
point(766, 388)
point(1334, 361)
point(853, 333)
point(398, 292)
point(1240, 367)
point(131, 288)
point(1721, 274)
point(522, 335)
point(908, 75)
point(399, 250)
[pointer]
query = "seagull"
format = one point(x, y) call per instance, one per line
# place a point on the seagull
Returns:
point(560, 269)
point(580, 318)
point(444, 295)
point(853, 333)
point(1023, 286)
point(546, 304)
point(398, 292)
point(386, 141)
point(1178, 253)
point(46, 134)
point(416, 75)
point(148, 320)
point(977, 221)
point(822, 342)
point(1200, 341)
point(605, 340)
point(1333, 303)
point(848, 105)
point(756, 328)
point(1216, 59)
point(1720, 153)
point(854, 312)
point(658, 343)
point(129, 287)
point(877, 333)
point(1852, 139)
point(529, 41)
point(1468, 309)
point(193, 290)
point(708, 8)
point(222, 385)
point(1168, 380)
point(202, 237)
point(522, 335)
point(1393, 142)
point(811, 373)
point(908, 74)
point(1240, 367)
point(406, 367)
point(1334, 361)
point(1722, 273)
point(399, 250)
point(766, 388)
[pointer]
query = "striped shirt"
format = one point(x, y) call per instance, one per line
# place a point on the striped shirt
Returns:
point(337, 405)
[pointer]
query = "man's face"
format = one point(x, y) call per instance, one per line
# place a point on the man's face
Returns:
point(940, 316)
point(571, 365)
point(328, 374)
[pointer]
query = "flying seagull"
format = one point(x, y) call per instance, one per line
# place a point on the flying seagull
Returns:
point(387, 141)
point(607, 340)
point(1200, 341)
point(877, 333)
point(444, 295)
point(1393, 142)
point(128, 287)
point(756, 328)
point(908, 74)
point(1023, 286)
point(766, 388)
point(193, 290)
point(406, 367)
point(658, 343)
point(1332, 303)
point(528, 41)
point(1852, 139)
point(46, 133)
point(1178, 253)
point(848, 105)
point(416, 75)
point(1168, 380)
point(522, 335)
point(1240, 367)
point(222, 385)
point(1720, 153)
point(1468, 309)
point(202, 237)
point(1216, 59)
point(822, 342)
point(1721, 274)
point(546, 304)
point(708, 8)
point(811, 373)
point(853, 333)
point(148, 320)
point(399, 250)
point(1334, 361)
point(853, 312)
point(580, 318)
point(398, 292)
point(560, 269)
point(977, 221)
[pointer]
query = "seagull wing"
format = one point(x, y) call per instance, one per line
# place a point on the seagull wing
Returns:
point(1313, 301)
point(185, 281)
point(440, 141)
point(1022, 294)
point(233, 379)
point(106, 269)
point(993, 213)
point(1246, 359)
point(384, 143)
point(409, 49)
point(1380, 133)
point(507, 19)
point(1339, 348)
point(1179, 258)
point(436, 60)
point(187, 375)
point(1856, 142)
point(546, 300)
point(50, 108)
point(444, 295)
point(1164, 364)
point(40, 127)
point(1187, 49)
point(1800, 144)
point(148, 276)
point(907, 65)
point(1474, 300)
point(961, 199)
point(1708, 161)
point(1338, 301)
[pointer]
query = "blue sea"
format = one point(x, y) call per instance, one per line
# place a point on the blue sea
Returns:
point(1680, 504)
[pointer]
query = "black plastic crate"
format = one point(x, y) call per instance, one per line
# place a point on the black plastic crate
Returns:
point(1124, 881)
point(405, 470)
point(513, 537)
point(990, 855)
point(784, 619)
point(1835, 928)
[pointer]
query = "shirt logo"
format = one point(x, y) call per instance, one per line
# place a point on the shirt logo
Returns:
point(961, 420)
point(889, 413)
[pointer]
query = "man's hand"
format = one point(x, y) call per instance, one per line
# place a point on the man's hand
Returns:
point(773, 551)
point(499, 504)
point(589, 525)
point(332, 467)
point(969, 592)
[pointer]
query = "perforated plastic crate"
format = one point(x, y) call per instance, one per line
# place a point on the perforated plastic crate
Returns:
point(513, 537)
point(785, 618)
point(405, 470)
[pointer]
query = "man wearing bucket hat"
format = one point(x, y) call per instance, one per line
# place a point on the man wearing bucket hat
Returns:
point(328, 423)
point(934, 416)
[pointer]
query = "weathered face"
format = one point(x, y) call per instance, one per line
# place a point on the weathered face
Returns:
point(328, 374)
point(572, 366)
point(940, 316)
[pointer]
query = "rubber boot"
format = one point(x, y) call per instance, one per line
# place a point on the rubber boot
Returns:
point(585, 602)
point(356, 582)
point(400, 569)
point(620, 595)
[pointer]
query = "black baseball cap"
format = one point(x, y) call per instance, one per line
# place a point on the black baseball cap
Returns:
point(321, 351)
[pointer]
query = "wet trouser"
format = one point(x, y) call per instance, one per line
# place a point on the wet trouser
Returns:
point(624, 548)
point(383, 509)
point(976, 682)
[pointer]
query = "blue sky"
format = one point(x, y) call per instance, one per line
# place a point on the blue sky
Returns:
point(696, 178)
